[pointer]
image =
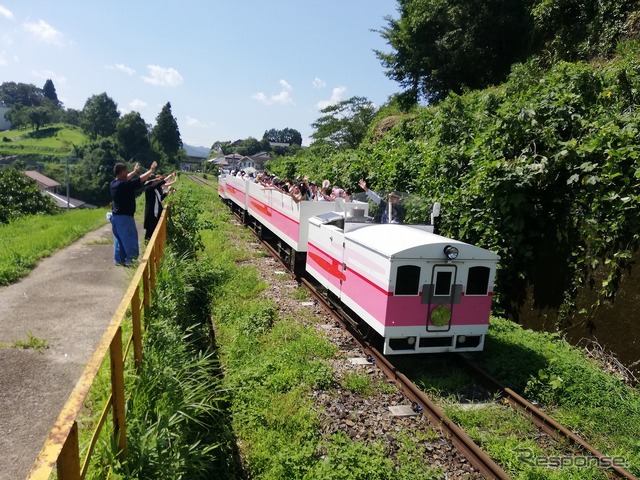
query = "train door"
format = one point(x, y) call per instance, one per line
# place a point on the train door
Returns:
point(441, 295)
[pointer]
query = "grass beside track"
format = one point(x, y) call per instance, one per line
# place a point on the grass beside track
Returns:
point(269, 366)
point(574, 389)
point(26, 240)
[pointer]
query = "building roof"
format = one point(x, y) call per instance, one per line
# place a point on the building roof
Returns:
point(61, 200)
point(41, 179)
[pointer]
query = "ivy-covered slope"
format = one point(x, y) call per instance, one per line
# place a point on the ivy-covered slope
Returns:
point(543, 169)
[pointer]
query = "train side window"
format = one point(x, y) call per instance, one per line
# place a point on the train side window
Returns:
point(407, 280)
point(478, 281)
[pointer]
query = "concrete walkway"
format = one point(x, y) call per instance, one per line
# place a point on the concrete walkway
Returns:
point(68, 300)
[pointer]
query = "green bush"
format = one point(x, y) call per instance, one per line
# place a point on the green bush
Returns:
point(543, 170)
point(20, 196)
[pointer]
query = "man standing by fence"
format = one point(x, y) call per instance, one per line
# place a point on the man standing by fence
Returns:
point(123, 194)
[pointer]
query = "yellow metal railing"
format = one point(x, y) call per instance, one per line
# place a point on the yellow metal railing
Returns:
point(62, 448)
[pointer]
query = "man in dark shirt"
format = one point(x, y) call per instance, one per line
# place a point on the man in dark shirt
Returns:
point(123, 194)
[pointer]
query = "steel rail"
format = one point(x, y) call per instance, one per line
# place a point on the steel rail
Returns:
point(460, 439)
point(546, 423)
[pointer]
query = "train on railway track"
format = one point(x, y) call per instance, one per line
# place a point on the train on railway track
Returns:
point(419, 292)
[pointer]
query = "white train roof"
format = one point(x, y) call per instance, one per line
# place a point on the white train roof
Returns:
point(413, 241)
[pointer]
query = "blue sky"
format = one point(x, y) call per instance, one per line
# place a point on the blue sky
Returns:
point(230, 69)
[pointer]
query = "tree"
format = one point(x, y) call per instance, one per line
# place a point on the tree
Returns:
point(38, 116)
point(100, 116)
point(20, 196)
point(573, 29)
point(344, 124)
point(288, 135)
point(132, 135)
point(92, 174)
point(26, 94)
point(71, 116)
point(248, 146)
point(440, 46)
point(18, 115)
point(49, 92)
point(165, 135)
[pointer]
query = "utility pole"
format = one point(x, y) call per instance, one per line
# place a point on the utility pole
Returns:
point(68, 181)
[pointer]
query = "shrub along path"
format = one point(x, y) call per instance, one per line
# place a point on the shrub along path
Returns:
point(67, 302)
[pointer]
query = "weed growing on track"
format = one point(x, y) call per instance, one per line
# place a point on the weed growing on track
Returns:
point(570, 387)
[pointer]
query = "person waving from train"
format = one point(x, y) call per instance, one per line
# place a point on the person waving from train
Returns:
point(392, 210)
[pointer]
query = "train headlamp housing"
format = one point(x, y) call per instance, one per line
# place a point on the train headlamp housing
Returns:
point(450, 252)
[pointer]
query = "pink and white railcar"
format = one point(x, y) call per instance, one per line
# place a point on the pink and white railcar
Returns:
point(237, 191)
point(222, 182)
point(287, 219)
point(419, 291)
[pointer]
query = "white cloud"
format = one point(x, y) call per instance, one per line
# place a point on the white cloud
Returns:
point(121, 68)
point(164, 77)
point(44, 32)
point(319, 83)
point(194, 122)
point(285, 85)
point(283, 97)
point(3, 59)
point(5, 12)
point(137, 104)
point(58, 80)
point(336, 96)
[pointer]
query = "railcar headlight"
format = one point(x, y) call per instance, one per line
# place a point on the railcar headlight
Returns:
point(451, 252)
point(411, 340)
point(462, 338)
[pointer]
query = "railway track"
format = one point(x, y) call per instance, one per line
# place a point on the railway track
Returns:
point(422, 403)
point(543, 421)
point(465, 444)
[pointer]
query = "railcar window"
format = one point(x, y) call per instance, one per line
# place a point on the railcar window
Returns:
point(443, 283)
point(478, 281)
point(408, 280)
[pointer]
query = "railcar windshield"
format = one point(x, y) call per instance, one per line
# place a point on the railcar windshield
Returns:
point(394, 207)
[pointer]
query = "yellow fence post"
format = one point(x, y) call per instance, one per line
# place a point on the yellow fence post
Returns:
point(117, 388)
point(146, 294)
point(69, 459)
point(152, 270)
point(137, 328)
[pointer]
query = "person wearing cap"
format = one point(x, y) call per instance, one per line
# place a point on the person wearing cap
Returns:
point(392, 210)
point(123, 208)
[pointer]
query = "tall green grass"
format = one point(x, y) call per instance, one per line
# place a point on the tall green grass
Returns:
point(26, 240)
point(177, 420)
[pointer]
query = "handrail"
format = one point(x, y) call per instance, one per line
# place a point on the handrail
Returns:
point(61, 447)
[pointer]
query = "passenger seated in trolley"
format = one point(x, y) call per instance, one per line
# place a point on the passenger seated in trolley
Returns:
point(392, 211)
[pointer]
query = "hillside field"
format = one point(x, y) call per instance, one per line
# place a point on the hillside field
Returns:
point(57, 140)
